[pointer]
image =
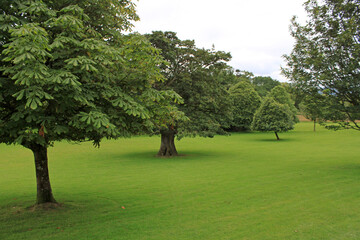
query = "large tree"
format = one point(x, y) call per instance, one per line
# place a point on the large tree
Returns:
point(198, 76)
point(67, 73)
point(326, 57)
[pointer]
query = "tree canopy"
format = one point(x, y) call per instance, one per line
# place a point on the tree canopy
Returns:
point(281, 96)
point(67, 76)
point(273, 116)
point(315, 107)
point(245, 102)
point(325, 57)
point(263, 85)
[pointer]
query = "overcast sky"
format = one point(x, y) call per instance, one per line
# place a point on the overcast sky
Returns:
point(255, 32)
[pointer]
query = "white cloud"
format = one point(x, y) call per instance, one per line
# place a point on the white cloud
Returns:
point(256, 32)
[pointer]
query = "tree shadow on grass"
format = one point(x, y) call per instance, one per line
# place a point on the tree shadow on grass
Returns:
point(18, 210)
point(22, 218)
point(183, 156)
point(274, 140)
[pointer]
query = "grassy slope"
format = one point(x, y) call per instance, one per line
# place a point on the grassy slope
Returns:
point(247, 186)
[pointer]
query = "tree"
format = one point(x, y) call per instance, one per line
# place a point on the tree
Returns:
point(198, 76)
point(245, 101)
point(273, 116)
point(66, 76)
point(314, 107)
point(281, 96)
point(326, 57)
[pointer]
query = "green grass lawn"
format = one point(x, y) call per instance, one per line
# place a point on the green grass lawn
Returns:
point(246, 186)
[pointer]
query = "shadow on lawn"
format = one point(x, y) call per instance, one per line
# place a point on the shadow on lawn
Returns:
point(183, 156)
point(274, 140)
point(20, 218)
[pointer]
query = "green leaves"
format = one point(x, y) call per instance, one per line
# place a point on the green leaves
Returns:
point(8, 22)
point(77, 77)
point(38, 8)
point(33, 97)
point(197, 76)
point(27, 50)
point(29, 42)
point(245, 102)
point(92, 122)
point(96, 119)
point(83, 62)
point(65, 78)
point(33, 103)
point(69, 22)
point(273, 116)
point(75, 10)
point(130, 107)
point(281, 96)
point(326, 55)
point(61, 40)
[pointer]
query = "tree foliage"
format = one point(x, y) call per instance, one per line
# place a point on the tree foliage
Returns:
point(296, 94)
point(315, 107)
point(325, 57)
point(245, 102)
point(67, 73)
point(263, 85)
point(281, 96)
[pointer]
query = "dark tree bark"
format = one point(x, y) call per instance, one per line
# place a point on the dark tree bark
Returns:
point(44, 192)
point(167, 147)
point(315, 125)
point(277, 137)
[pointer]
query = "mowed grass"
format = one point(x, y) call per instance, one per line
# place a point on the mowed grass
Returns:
point(246, 186)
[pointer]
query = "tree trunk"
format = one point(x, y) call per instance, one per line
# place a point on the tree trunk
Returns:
point(314, 125)
point(167, 147)
point(277, 137)
point(44, 192)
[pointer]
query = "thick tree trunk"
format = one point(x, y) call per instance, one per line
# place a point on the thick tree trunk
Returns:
point(44, 192)
point(167, 147)
point(277, 137)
